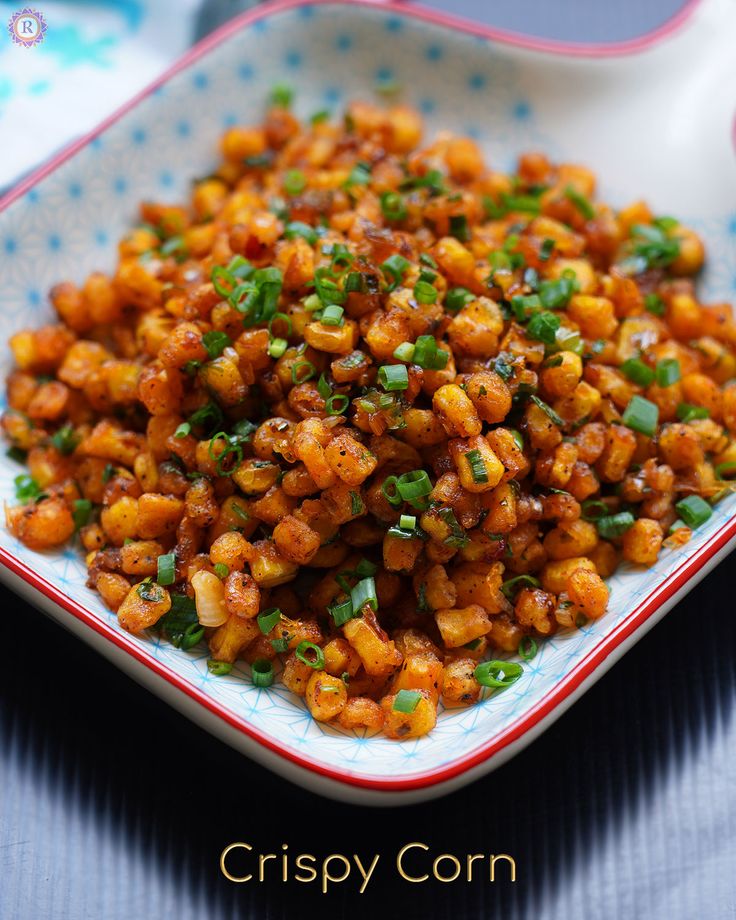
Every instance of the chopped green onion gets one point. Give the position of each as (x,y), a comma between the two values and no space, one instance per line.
(317,662)
(323,387)
(641,415)
(282,95)
(687,412)
(428,355)
(360,174)
(219,668)
(425,293)
(653,246)
(312,303)
(267,619)
(404,352)
(262,672)
(528,648)
(390,491)
(366,567)
(548,410)
(294,182)
(457,297)
(81,512)
(166,569)
(498,674)
(297,376)
(543,327)
(459,227)
(638,372)
(393,377)
(693,510)
(281,645)
(557,292)
(510,588)
(413,486)
(723,469)
(336,404)
(150,591)
(407,522)
(395,266)
(581,202)
(26,488)
(524,305)
(406,701)
(65,439)
(215,342)
(182,430)
(297,228)
(477,466)
(393,207)
(364,593)
(356,504)
(277,347)
(221,570)
(17,454)
(668,372)
(654,304)
(593,509)
(546,249)
(569,340)
(614,525)
(341,613)
(332,315)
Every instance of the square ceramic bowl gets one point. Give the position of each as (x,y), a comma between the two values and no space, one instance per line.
(652,118)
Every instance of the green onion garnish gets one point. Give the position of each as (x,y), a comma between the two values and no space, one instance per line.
(548,410)
(406,701)
(310,654)
(26,488)
(413,486)
(498,674)
(393,377)
(527,648)
(65,439)
(555,293)
(687,412)
(477,466)
(262,672)
(182,430)
(459,227)
(457,297)
(424,292)
(364,593)
(667,372)
(404,352)
(282,95)
(723,469)
(390,491)
(638,372)
(166,569)
(543,327)
(693,510)
(654,304)
(294,181)
(581,202)
(392,206)
(332,315)
(299,376)
(510,588)
(215,342)
(81,512)
(277,347)
(221,570)
(428,355)
(267,619)
(614,525)
(341,613)
(219,668)
(395,266)
(336,404)
(641,415)
(593,509)
(297,228)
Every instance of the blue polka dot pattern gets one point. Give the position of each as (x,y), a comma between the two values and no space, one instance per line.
(330,54)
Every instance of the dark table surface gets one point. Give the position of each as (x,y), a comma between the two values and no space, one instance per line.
(112,806)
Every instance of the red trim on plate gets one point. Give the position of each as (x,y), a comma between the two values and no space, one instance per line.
(585,668)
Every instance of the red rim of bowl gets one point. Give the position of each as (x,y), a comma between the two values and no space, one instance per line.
(565,687)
